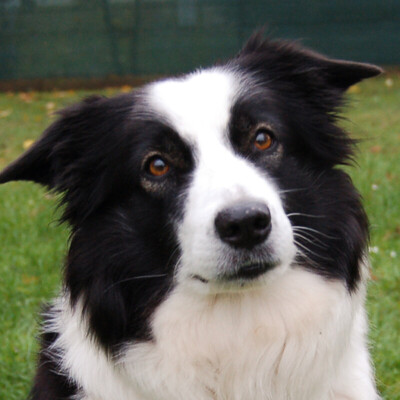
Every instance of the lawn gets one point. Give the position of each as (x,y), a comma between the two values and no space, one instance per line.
(33,244)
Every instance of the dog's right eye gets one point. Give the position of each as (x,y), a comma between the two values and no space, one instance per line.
(157,166)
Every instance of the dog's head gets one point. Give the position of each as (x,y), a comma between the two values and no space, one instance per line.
(216,180)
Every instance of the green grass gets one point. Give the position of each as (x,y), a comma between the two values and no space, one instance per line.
(33,245)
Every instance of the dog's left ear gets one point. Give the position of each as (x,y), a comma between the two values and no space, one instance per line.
(343,74)
(289,60)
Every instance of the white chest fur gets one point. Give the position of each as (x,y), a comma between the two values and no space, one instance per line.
(285,342)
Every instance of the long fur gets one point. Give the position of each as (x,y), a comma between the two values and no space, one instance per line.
(153,305)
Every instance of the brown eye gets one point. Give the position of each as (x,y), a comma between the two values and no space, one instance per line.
(263,140)
(157,166)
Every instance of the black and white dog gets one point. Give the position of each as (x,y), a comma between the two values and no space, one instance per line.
(217,251)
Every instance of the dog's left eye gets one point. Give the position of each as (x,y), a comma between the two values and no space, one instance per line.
(263,139)
(156,166)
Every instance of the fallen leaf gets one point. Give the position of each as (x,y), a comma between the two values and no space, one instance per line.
(376,149)
(387,235)
(50,106)
(5,113)
(126,89)
(59,94)
(373,277)
(27,97)
(389,82)
(27,279)
(28,143)
(354,89)
(389,176)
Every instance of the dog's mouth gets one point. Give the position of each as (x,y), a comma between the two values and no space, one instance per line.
(251,271)
(246,272)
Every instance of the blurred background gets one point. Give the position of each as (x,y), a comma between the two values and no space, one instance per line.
(55,52)
(44,41)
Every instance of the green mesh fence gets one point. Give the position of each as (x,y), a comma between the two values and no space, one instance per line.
(99,38)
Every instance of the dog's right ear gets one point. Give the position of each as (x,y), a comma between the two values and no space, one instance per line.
(81,155)
(38,163)
(34,165)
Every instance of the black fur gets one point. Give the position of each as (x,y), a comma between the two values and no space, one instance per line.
(123,244)
(301,94)
(49,384)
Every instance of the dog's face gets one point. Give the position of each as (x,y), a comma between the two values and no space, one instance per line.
(219,180)
(231,226)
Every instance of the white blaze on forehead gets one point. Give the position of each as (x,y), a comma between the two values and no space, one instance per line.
(198,105)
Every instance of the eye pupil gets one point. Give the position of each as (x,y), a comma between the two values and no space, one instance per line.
(159,164)
(158,167)
(263,141)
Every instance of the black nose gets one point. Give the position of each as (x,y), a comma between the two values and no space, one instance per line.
(244,225)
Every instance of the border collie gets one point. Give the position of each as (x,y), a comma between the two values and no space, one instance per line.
(217,251)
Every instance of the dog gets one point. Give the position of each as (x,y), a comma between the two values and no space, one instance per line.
(217,250)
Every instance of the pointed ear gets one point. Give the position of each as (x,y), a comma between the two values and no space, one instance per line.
(31,166)
(343,74)
(37,164)
(82,155)
(292,61)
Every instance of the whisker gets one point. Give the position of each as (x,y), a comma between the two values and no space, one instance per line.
(177,265)
(291,190)
(133,278)
(309,235)
(310,251)
(171,257)
(305,215)
(306,258)
(314,185)
(315,231)
(321,246)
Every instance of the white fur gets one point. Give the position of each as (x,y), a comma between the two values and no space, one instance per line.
(291,336)
(300,338)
